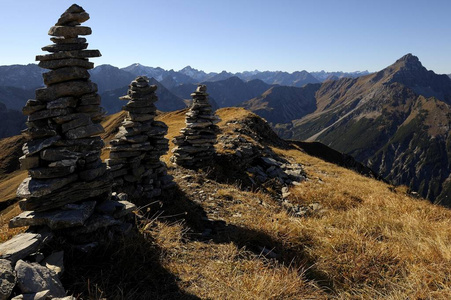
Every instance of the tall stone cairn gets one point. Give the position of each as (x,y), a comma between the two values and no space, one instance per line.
(195,146)
(135,152)
(67,179)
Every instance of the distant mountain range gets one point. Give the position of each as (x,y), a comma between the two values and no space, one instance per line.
(397,120)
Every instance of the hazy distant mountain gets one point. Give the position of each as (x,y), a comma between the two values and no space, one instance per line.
(11,121)
(14,97)
(229,92)
(298,79)
(282,104)
(323,76)
(108,77)
(167,101)
(197,75)
(22,76)
(386,120)
(138,70)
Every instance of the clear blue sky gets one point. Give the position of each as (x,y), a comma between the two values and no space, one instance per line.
(238,35)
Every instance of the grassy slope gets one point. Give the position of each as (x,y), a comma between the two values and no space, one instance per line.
(370,240)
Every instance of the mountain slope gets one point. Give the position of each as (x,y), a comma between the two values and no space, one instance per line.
(108,77)
(386,120)
(282,104)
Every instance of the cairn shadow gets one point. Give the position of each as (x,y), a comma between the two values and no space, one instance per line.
(203,229)
(127,268)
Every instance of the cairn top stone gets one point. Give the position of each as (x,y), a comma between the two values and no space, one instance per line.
(201,88)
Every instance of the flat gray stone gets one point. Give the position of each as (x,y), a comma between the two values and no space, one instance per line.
(85,131)
(55,262)
(65,74)
(20,246)
(40,187)
(49,113)
(71,193)
(73,88)
(56,154)
(62,102)
(7,279)
(67,54)
(94,223)
(34,278)
(65,47)
(52,172)
(70,32)
(68,62)
(57,219)
(35,146)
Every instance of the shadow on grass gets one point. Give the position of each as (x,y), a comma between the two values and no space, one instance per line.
(178,204)
(127,268)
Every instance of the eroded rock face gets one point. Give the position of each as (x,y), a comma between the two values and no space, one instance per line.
(135,152)
(195,146)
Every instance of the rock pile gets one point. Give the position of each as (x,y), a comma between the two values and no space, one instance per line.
(135,152)
(195,146)
(68,191)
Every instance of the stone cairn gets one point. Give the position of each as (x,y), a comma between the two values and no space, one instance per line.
(135,152)
(195,146)
(68,192)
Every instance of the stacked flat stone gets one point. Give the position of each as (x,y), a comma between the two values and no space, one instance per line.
(135,152)
(67,179)
(195,146)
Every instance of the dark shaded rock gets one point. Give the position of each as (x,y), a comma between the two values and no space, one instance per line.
(64,47)
(84,131)
(35,146)
(68,54)
(32,106)
(62,102)
(43,295)
(48,113)
(69,193)
(62,40)
(71,88)
(65,74)
(89,175)
(52,172)
(70,32)
(68,62)
(34,278)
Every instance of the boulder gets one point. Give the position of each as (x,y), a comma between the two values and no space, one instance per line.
(34,278)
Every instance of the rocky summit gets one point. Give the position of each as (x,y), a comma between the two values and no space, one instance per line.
(136,149)
(195,146)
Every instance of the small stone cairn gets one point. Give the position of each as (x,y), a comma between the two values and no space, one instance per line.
(195,146)
(135,152)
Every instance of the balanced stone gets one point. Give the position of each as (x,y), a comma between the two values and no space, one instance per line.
(136,148)
(195,146)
